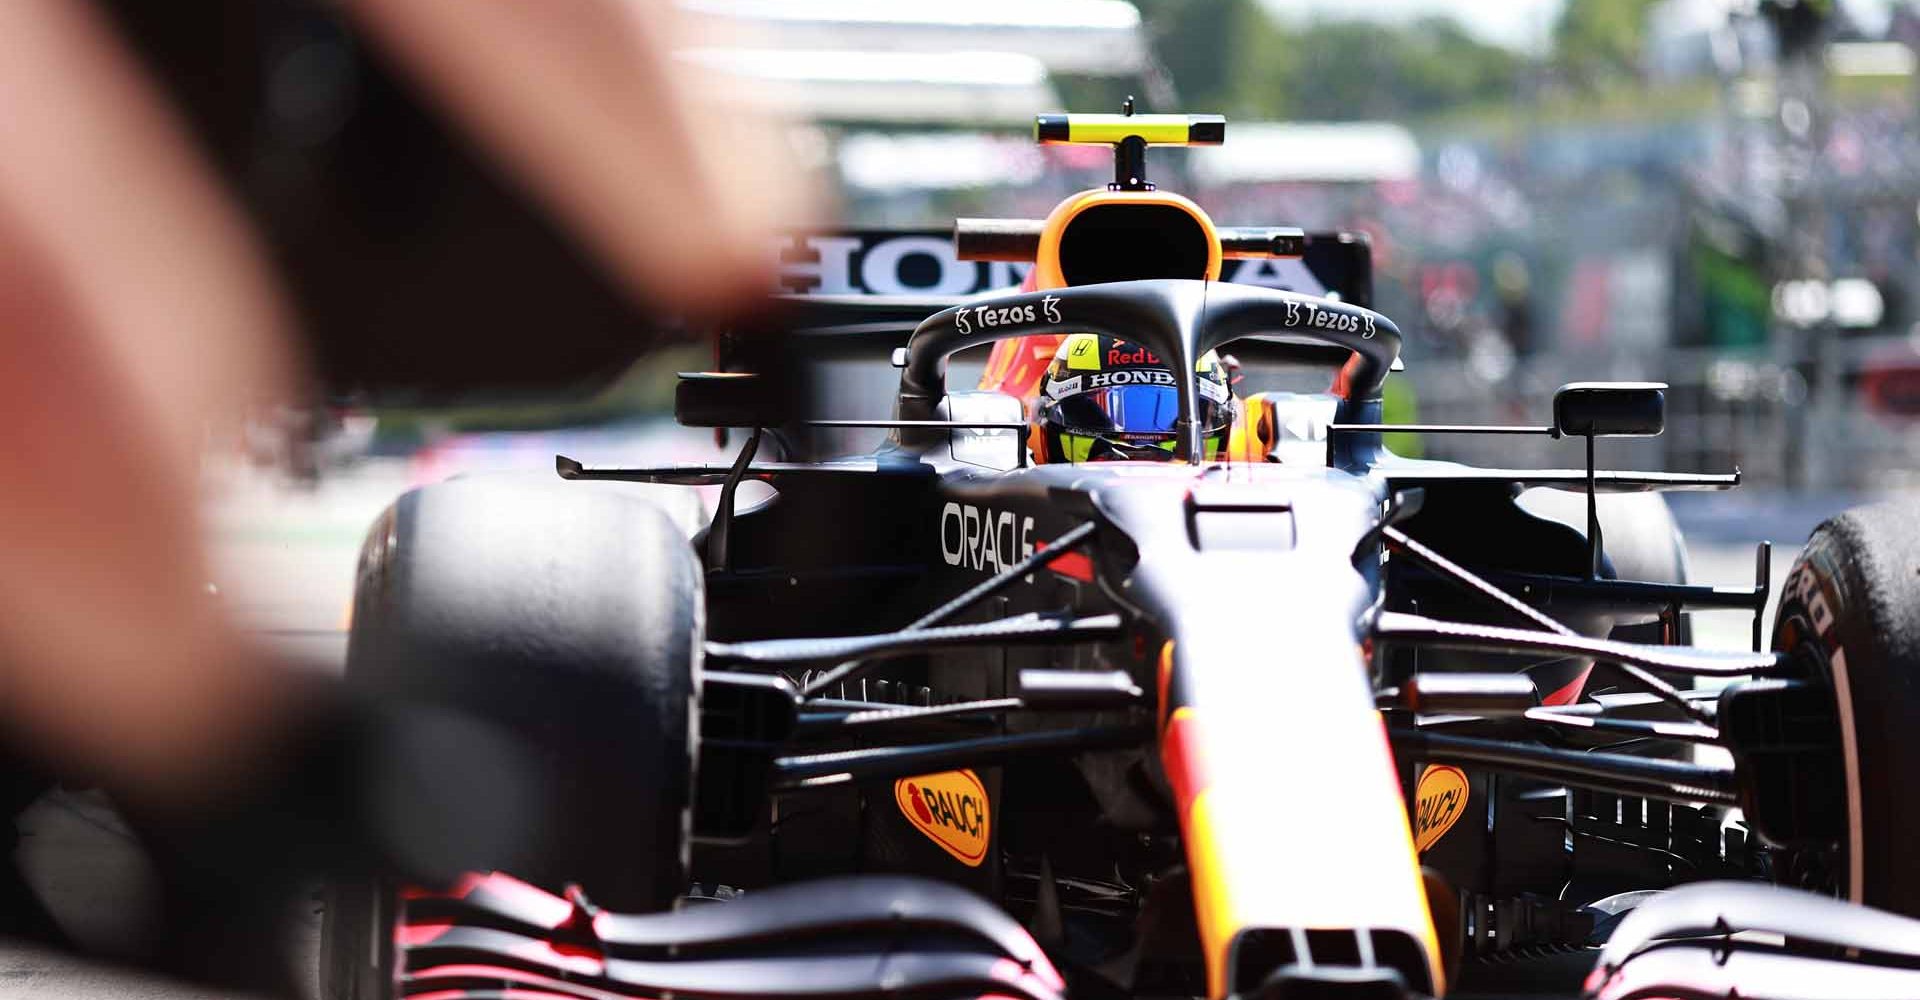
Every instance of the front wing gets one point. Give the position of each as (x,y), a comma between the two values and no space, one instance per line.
(889,936)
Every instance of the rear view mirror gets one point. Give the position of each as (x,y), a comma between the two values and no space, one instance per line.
(996,437)
(1610,409)
(1606,409)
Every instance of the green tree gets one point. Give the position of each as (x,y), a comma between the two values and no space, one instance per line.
(1235,57)
(1358,69)
(1597,43)
(1196,43)
(1191,39)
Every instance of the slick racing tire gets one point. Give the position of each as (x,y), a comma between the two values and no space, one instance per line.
(1850,611)
(568,618)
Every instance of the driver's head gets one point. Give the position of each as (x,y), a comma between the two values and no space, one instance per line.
(1105,399)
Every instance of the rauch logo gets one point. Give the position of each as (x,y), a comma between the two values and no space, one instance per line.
(1439,800)
(951,809)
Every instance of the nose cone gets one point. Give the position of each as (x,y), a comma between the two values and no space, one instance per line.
(1290,806)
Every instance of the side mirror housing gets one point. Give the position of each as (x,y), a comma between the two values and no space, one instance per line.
(1610,409)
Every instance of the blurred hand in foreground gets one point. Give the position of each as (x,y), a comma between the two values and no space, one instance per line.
(139,313)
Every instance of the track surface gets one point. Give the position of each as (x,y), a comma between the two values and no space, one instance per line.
(286,566)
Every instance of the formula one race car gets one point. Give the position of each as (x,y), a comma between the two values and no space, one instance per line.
(1109,679)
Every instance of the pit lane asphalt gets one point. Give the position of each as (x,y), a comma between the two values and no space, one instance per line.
(285,559)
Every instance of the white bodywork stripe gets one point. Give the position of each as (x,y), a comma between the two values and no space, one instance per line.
(1850,751)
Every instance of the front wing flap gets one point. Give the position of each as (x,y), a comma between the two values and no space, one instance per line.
(1757,942)
(852,937)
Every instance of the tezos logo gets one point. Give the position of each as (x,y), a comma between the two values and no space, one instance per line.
(982,538)
(990,316)
(951,809)
(1312,315)
(1439,800)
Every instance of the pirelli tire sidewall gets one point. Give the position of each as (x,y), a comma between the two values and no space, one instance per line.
(1851,607)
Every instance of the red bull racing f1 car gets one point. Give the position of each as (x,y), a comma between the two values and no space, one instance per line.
(1111,678)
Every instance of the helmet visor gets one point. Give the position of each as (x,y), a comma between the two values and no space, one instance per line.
(1131,409)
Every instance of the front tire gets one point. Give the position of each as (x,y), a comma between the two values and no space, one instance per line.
(1851,611)
(569,618)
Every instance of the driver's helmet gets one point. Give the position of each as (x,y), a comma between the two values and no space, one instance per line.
(1106,399)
